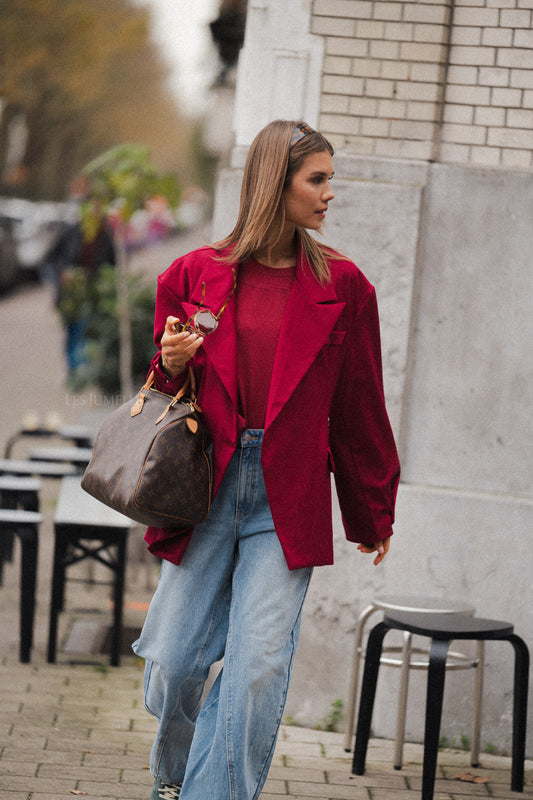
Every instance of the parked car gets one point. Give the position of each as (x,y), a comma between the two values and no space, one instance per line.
(34,228)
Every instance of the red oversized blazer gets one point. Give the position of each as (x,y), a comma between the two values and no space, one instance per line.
(325,413)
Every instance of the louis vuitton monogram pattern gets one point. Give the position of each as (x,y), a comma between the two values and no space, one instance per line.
(157,474)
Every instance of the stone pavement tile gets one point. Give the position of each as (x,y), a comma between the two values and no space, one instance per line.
(145,724)
(378,780)
(123,762)
(107,774)
(20,754)
(29,784)
(120,791)
(304,762)
(317,790)
(300,749)
(47,796)
(405,794)
(137,776)
(287,773)
(20,768)
(294,733)
(454,786)
(274,787)
(271,796)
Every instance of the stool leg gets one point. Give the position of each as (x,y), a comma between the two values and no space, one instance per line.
(520,692)
(368,693)
(435,694)
(28,578)
(118,597)
(402,701)
(478,700)
(354,680)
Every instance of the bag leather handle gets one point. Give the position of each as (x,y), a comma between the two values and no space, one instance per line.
(188,389)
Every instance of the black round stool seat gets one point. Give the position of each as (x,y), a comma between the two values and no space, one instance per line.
(449,626)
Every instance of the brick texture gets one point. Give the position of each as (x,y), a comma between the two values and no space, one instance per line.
(429,79)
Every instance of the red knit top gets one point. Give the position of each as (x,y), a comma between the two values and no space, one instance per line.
(262,295)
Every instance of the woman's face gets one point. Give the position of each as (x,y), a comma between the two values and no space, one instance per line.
(306,198)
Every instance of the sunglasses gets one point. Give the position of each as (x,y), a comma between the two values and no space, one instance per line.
(203,321)
(301,130)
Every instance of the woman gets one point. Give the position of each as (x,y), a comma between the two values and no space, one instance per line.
(283,335)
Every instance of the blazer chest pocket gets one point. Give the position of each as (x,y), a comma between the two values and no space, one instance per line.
(332,355)
(336,337)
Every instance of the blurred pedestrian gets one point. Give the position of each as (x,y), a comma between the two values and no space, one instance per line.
(283,335)
(74,260)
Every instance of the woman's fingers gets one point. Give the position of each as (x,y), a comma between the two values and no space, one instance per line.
(177,348)
(381,548)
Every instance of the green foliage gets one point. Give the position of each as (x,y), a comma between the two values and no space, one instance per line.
(125,173)
(96,301)
(332,719)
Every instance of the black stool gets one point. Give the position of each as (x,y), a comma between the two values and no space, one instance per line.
(25,525)
(442,629)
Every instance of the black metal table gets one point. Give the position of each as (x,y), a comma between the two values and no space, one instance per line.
(85,528)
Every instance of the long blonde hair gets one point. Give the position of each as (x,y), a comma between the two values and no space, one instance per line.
(269,169)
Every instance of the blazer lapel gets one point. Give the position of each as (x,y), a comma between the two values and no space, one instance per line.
(220,346)
(311,313)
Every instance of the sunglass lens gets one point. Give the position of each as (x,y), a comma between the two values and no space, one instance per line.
(205,322)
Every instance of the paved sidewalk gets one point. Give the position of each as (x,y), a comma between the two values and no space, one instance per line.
(82,731)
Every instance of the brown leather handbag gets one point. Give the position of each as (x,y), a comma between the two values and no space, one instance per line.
(153,459)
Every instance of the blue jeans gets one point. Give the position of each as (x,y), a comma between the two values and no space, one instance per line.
(76,344)
(232,597)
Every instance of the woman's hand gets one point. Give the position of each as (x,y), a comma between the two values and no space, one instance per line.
(177,348)
(381,548)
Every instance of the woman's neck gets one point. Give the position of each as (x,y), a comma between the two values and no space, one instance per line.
(284,252)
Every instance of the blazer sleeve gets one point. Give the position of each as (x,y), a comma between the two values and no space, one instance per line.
(366,465)
(167,304)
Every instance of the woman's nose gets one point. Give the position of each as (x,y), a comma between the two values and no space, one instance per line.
(328,193)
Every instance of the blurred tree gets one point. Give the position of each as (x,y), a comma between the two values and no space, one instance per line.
(85,76)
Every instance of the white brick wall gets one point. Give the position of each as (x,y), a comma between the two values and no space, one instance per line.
(420,79)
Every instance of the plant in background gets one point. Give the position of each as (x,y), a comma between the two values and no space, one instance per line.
(122,181)
(103,332)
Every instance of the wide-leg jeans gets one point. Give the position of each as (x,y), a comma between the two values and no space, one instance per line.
(232,598)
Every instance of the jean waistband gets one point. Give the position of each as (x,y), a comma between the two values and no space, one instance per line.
(252,437)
